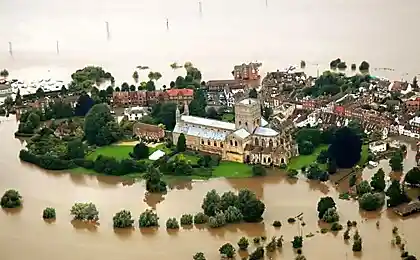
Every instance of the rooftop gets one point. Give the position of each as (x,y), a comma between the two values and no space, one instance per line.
(242,133)
(264,131)
(182,92)
(199,132)
(248,101)
(208,122)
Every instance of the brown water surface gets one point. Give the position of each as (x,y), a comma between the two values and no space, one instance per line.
(25,236)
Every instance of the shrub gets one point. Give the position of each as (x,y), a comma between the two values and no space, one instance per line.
(324,230)
(258,170)
(331,215)
(256,240)
(85,212)
(357,245)
(336,226)
(371,202)
(11,199)
(291,220)
(258,254)
(243,243)
(228,250)
(276,223)
(233,214)
(187,219)
(279,242)
(292,173)
(271,246)
(324,204)
(48,213)
(200,218)
(199,256)
(346,234)
(172,223)
(297,242)
(148,219)
(363,187)
(217,221)
(364,66)
(123,219)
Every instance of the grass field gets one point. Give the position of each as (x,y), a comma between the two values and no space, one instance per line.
(189,158)
(305,160)
(232,170)
(365,154)
(121,152)
(228,117)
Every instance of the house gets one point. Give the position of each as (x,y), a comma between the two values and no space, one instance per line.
(180,96)
(378,147)
(144,98)
(413,105)
(135,113)
(148,132)
(402,87)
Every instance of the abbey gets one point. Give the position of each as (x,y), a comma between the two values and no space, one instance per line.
(248,140)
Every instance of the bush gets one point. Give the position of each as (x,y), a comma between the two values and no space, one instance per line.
(85,212)
(148,219)
(217,221)
(276,223)
(258,170)
(336,226)
(11,199)
(172,223)
(353,66)
(279,242)
(227,250)
(243,243)
(371,202)
(123,219)
(48,213)
(331,215)
(346,234)
(297,242)
(258,254)
(364,66)
(291,220)
(200,218)
(357,245)
(186,219)
(199,256)
(256,240)
(233,214)
(363,187)
(324,204)
(45,161)
(292,173)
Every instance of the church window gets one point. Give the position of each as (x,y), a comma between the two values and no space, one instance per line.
(215,143)
(246,124)
(281,141)
(221,144)
(208,142)
(269,160)
(263,143)
(264,160)
(231,143)
(236,143)
(256,142)
(240,122)
(202,141)
(270,143)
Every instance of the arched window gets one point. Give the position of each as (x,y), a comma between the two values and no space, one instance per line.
(231,143)
(282,161)
(263,143)
(256,141)
(202,141)
(236,143)
(221,144)
(281,141)
(264,160)
(208,142)
(269,160)
(246,124)
(270,143)
(215,143)
(240,122)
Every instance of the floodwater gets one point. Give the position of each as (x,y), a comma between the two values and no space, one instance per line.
(382,32)
(25,236)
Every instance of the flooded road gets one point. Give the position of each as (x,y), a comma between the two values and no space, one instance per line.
(25,236)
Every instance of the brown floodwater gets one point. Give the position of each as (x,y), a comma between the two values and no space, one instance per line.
(25,236)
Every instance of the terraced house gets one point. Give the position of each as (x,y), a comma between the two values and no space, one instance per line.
(248,140)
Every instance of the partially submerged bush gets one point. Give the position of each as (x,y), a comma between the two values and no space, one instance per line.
(243,243)
(48,213)
(123,219)
(200,218)
(186,219)
(276,223)
(148,218)
(11,199)
(172,223)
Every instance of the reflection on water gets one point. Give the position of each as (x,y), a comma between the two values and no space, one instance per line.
(284,198)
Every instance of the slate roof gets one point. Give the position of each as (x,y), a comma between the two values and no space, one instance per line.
(199,132)
(264,131)
(241,133)
(208,122)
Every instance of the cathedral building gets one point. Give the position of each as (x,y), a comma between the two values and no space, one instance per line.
(248,140)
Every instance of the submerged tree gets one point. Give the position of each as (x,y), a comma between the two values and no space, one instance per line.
(154,183)
(148,218)
(11,199)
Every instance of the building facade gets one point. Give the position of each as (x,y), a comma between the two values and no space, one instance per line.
(145,98)
(247,140)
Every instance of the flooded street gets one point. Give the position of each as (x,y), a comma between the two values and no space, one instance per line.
(25,236)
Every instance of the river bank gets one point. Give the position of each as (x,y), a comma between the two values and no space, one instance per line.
(42,188)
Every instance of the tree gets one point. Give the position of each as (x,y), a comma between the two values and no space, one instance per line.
(148,218)
(136,76)
(197,107)
(84,79)
(83,105)
(253,93)
(154,75)
(100,127)
(34,119)
(199,256)
(154,183)
(150,86)
(352,180)
(200,218)
(332,167)
(258,170)
(181,144)
(396,195)
(186,219)
(292,173)
(123,219)
(258,254)
(48,213)
(364,66)
(415,83)
(357,244)
(4,73)
(132,88)
(172,84)
(250,207)
(314,172)
(378,181)
(322,157)
(109,90)
(227,200)
(18,98)
(396,161)
(371,202)
(363,187)
(413,176)
(346,148)
(212,113)
(331,215)
(227,250)
(75,149)
(11,199)
(211,203)
(172,223)
(85,212)
(219,220)
(233,215)
(125,87)
(267,112)
(40,93)
(243,243)
(324,204)
(306,147)
(353,66)
(140,151)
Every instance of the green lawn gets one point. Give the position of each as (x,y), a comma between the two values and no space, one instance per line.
(365,154)
(121,152)
(232,170)
(228,117)
(305,160)
(192,159)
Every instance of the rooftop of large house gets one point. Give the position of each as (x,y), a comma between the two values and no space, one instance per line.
(180,92)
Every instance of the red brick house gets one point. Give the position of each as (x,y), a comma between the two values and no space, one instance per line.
(149,132)
(148,98)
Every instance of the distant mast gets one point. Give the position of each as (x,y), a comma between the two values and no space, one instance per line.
(167,24)
(58,48)
(108,34)
(266,3)
(10,49)
(200,8)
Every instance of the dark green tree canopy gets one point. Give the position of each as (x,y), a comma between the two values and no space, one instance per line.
(346,148)
(100,127)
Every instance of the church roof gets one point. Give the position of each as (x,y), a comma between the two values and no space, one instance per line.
(199,132)
(263,122)
(242,133)
(264,131)
(208,122)
(248,101)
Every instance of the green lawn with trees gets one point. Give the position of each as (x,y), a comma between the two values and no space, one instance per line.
(232,169)
(305,160)
(121,152)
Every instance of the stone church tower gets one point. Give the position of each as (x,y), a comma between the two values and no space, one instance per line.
(248,114)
